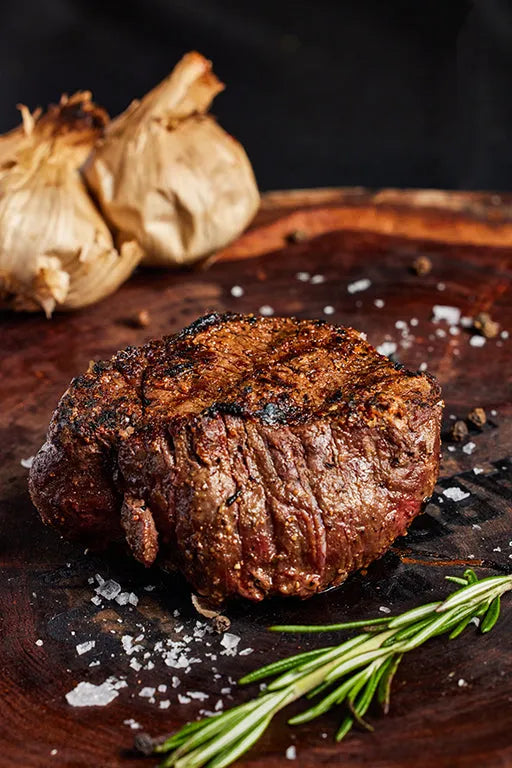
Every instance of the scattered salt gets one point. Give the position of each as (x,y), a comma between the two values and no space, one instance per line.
(461,683)
(477,470)
(384,609)
(413,321)
(237,291)
(96,600)
(246,652)
(85,647)
(136,665)
(266,310)
(291,753)
(89,695)
(175,681)
(162,688)
(229,642)
(303,276)
(455,494)
(39,643)
(134,725)
(27,463)
(379,303)
(164,704)
(53,752)
(147,692)
(476,527)
(469,448)
(328,310)
(422,367)
(133,599)
(123,598)
(477,341)
(359,285)
(199,695)
(183,699)
(497,549)
(317,279)
(387,348)
(109,589)
(451,315)
(441,286)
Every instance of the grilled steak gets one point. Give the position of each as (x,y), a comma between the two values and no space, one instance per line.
(258,455)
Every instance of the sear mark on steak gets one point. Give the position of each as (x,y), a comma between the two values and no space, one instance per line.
(258,455)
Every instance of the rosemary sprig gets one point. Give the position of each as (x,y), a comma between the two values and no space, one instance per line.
(354,673)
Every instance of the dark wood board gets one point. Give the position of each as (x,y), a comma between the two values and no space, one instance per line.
(45,592)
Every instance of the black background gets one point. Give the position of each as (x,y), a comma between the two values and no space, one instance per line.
(321,92)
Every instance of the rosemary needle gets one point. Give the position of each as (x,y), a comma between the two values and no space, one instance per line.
(350,675)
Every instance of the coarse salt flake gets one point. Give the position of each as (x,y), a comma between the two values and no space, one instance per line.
(359,285)
(85,647)
(477,341)
(229,642)
(329,310)
(451,315)
(237,291)
(469,448)
(455,494)
(266,310)
(291,753)
(27,463)
(147,692)
(89,695)
(387,348)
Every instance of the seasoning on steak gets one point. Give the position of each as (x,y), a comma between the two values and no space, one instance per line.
(258,455)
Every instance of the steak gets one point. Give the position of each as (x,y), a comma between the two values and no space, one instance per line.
(259,456)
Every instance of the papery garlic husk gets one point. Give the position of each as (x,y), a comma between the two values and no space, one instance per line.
(56,251)
(167,175)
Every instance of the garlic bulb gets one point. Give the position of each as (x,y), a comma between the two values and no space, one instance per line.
(55,248)
(168,176)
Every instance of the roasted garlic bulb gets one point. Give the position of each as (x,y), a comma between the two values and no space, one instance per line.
(56,251)
(168,176)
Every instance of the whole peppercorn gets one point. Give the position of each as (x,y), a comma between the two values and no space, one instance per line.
(422,265)
(477,417)
(459,431)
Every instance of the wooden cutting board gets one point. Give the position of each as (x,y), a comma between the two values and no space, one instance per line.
(305,255)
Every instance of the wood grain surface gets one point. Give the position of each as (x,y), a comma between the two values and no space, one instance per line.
(46,584)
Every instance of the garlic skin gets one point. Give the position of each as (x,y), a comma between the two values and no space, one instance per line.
(168,176)
(56,251)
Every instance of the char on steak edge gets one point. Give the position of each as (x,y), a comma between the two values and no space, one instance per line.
(259,456)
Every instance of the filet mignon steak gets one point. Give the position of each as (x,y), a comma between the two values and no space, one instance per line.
(258,455)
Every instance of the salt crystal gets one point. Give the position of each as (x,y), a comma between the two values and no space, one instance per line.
(359,285)
(317,279)
(469,448)
(455,494)
(162,688)
(132,723)
(422,367)
(475,620)
(303,276)
(379,303)
(453,330)
(175,681)
(229,642)
(53,752)
(225,691)
(183,699)
(27,463)
(149,587)
(95,663)
(246,652)
(133,599)
(461,683)
(497,549)
(441,286)
(400,325)
(99,578)
(149,665)
(291,753)
(123,598)
(477,470)
(328,310)
(237,291)
(266,310)
(451,315)
(413,321)
(147,692)
(85,647)
(477,341)
(440,333)
(384,609)
(96,600)
(89,695)
(109,589)
(164,704)
(199,695)
(387,348)
(136,665)
(504,335)
(219,705)
(476,527)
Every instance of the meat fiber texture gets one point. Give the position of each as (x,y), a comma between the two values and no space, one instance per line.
(260,456)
